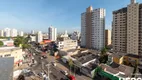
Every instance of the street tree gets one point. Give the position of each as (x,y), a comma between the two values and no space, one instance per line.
(103,56)
(21,41)
(1,43)
(70,64)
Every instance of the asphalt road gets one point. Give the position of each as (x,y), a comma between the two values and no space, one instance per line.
(55,73)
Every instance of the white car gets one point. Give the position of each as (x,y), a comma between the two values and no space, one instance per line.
(64,72)
(54,63)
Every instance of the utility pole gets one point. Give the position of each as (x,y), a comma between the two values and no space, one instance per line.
(48,66)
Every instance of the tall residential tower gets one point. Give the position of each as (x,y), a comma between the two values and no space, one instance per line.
(52,33)
(127,30)
(93,28)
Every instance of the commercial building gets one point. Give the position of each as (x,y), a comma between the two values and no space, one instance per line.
(13,32)
(1,33)
(39,37)
(113,71)
(15,52)
(85,61)
(107,37)
(93,28)
(7,32)
(33,38)
(21,33)
(45,36)
(67,43)
(7,42)
(123,58)
(52,33)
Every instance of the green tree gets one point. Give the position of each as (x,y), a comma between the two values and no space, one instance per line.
(23,41)
(103,56)
(103,51)
(70,64)
(1,43)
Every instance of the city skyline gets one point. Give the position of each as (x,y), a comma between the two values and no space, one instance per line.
(39,15)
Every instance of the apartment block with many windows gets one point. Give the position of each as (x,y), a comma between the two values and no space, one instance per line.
(93,28)
(127,30)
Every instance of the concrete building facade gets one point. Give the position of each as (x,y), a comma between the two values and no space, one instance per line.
(133,27)
(52,33)
(13,32)
(107,37)
(7,32)
(83,29)
(15,52)
(39,37)
(127,29)
(119,30)
(93,28)
(1,33)
(21,33)
(67,43)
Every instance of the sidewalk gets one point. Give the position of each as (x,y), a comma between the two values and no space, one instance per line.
(21,67)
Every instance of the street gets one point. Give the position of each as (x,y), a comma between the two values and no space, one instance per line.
(55,71)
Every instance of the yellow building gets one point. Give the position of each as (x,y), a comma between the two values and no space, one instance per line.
(128,59)
(15,52)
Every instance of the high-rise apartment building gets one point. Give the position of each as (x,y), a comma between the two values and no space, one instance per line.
(1,33)
(93,28)
(39,37)
(52,33)
(119,30)
(32,32)
(21,33)
(13,32)
(7,32)
(127,29)
(107,37)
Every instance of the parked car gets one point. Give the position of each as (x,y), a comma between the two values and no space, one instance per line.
(44,57)
(64,72)
(71,77)
(53,63)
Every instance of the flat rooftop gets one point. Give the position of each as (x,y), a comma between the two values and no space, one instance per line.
(6,68)
(85,57)
(5,49)
(120,70)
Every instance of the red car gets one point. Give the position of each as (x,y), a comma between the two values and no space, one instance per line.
(71,77)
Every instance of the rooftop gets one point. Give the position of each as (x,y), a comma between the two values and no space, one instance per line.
(91,66)
(6,68)
(119,55)
(133,55)
(4,49)
(118,70)
(84,57)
